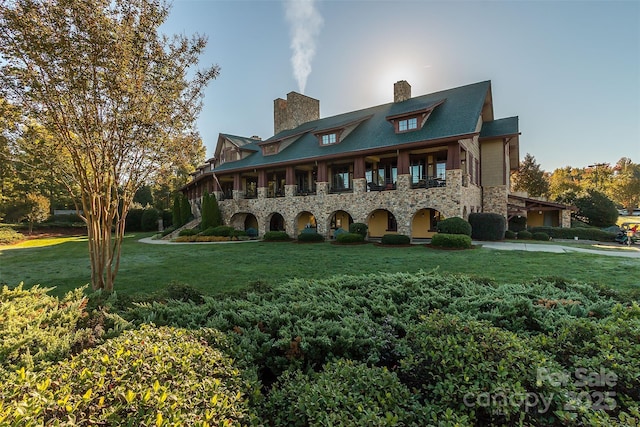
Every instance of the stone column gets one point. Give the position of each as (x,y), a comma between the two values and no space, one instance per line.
(262,192)
(290,190)
(403,183)
(322,188)
(359,185)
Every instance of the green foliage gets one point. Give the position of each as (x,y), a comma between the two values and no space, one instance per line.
(8,236)
(487,226)
(176,213)
(185,209)
(338,232)
(251,232)
(530,178)
(152,376)
(149,220)
(344,393)
(36,329)
(37,209)
(540,235)
(184,292)
(457,241)
(525,235)
(143,196)
(454,225)
(510,235)
(211,216)
(310,236)
(395,239)
(596,209)
(221,230)
(585,233)
(275,236)
(168,231)
(518,223)
(188,232)
(360,228)
(350,238)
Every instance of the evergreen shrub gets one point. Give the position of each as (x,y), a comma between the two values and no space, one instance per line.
(350,238)
(540,235)
(510,235)
(457,241)
(360,228)
(272,236)
(454,225)
(525,235)
(310,236)
(487,226)
(395,239)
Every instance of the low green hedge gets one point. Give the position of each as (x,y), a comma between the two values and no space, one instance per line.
(583,233)
(525,235)
(276,236)
(460,241)
(221,230)
(188,232)
(540,235)
(349,238)
(151,376)
(510,234)
(395,239)
(360,228)
(310,236)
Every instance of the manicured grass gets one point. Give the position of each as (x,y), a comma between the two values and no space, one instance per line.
(216,268)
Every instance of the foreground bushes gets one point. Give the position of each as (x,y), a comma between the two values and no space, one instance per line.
(9,236)
(453,241)
(154,376)
(395,239)
(583,233)
(487,226)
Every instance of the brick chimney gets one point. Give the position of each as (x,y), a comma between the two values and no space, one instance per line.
(293,112)
(401,91)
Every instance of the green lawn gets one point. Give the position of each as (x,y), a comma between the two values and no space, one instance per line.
(216,268)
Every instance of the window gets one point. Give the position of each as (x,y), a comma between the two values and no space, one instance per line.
(329,138)
(408,124)
(392,224)
(341,178)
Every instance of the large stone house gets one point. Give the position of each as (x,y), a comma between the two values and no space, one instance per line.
(398,167)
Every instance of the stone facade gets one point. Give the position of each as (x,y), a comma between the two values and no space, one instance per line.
(401,91)
(404,203)
(296,110)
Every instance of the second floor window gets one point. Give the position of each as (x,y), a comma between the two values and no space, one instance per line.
(329,138)
(408,124)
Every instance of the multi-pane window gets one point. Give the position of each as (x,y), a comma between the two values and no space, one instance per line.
(329,138)
(407,124)
(341,178)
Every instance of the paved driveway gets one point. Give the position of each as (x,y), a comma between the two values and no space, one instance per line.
(619,250)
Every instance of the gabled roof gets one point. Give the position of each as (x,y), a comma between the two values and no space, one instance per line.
(241,142)
(455,114)
(501,128)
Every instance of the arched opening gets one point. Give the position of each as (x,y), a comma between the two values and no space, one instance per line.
(306,220)
(339,220)
(381,222)
(251,222)
(424,223)
(276,223)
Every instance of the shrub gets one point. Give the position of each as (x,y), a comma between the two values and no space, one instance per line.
(518,223)
(221,230)
(168,231)
(442,240)
(338,232)
(586,233)
(9,235)
(133,219)
(349,238)
(273,236)
(395,239)
(210,211)
(344,393)
(596,209)
(167,218)
(251,232)
(360,228)
(152,376)
(487,226)
(188,232)
(310,237)
(184,292)
(37,327)
(539,235)
(510,234)
(454,225)
(525,235)
(149,220)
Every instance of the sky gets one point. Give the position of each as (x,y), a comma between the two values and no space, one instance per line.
(569,69)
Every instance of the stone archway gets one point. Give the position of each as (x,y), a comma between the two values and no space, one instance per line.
(381,222)
(305,219)
(339,219)
(424,222)
(276,222)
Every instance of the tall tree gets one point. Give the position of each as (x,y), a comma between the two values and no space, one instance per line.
(530,178)
(565,184)
(117,96)
(625,184)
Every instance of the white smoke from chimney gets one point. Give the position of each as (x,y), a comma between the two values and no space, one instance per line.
(305,23)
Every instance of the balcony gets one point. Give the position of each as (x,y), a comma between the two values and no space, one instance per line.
(431,182)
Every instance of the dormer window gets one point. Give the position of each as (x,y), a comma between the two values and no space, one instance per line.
(408,124)
(330,138)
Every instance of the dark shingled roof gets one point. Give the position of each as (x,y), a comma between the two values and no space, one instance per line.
(457,114)
(500,127)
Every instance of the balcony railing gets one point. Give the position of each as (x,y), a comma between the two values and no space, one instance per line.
(383,187)
(429,183)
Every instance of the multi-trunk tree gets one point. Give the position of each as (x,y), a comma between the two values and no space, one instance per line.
(118,97)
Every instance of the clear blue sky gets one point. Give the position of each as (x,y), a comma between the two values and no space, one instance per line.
(569,69)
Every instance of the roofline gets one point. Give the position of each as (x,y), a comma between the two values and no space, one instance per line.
(543,202)
(351,153)
(431,107)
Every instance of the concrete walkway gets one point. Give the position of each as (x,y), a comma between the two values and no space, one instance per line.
(612,249)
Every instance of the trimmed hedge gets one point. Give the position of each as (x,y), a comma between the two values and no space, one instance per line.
(510,235)
(187,232)
(310,236)
(152,376)
(360,228)
(584,233)
(540,235)
(525,235)
(221,230)
(443,240)
(487,226)
(276,236)
(349,238)
(454,225)
(395,239)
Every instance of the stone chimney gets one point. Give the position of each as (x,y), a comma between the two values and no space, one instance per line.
(293,112)
(401,91)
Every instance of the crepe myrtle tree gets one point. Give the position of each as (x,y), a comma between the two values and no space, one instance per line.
(119,97)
